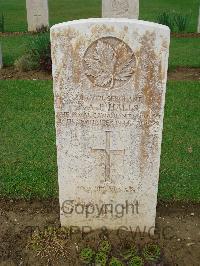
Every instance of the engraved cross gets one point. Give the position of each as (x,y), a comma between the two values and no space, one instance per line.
(108,151)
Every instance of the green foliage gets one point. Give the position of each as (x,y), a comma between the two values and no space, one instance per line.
(136,261)
(42,29)
(115,262)
(127,254)
(101,258)
(175,21)
(39,48)
(37,54)
(2,23)
(26,63)
(151,252)
(86,255)
(166,18)
(182,22)
(104,247)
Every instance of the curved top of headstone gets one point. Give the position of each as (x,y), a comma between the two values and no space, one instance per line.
(136,22)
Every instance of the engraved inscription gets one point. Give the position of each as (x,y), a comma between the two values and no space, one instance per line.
(109,63)
(37,16)
(108,151)
(120,7)
(100,110)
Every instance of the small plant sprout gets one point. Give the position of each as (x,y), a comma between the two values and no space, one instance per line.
(104,247)
(115,262)
(86,255)
(151,252)
(136,261)
(128,254)
(101,259)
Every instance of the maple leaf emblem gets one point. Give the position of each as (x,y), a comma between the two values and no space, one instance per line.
(109,63)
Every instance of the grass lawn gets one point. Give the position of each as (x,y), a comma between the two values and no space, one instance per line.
(183,51)
(179,173)
(13,47)
(27,144)
(64,10)
(28,150)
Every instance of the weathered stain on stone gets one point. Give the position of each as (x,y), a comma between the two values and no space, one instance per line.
(77,63)
(151,76)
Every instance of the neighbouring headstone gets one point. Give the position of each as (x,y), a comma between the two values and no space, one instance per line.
(120,9)
(37,14)
(198,29)
(1,58)
(109,90)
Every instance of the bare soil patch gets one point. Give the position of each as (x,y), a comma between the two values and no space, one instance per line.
(17,33)
(180,73)
(12,73)
(186,35)
(177,233)
(184,73)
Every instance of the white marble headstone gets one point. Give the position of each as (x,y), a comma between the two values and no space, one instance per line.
(1,58)
(37,14)
(120,9)
(109,89)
